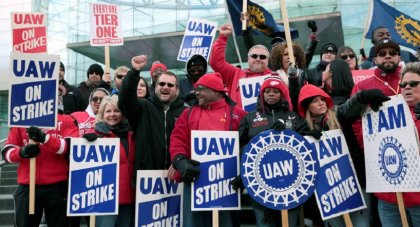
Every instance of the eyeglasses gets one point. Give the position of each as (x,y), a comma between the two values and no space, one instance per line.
(162,84)
(201,88)
(391,53)
(261,56)
(119,76)
(345,56)
(96,99)
(412,83)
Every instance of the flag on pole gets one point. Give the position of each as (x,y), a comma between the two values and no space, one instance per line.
(260,20)
(404,29)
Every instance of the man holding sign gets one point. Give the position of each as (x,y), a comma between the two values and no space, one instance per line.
(51,148)
(216,111)
(257,61)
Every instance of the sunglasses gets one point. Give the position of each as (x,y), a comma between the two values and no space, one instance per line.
(412,83)
(345,56)
(162,84)
(96,99)
(120,76)
(201,88)
(261,56)
(391,53)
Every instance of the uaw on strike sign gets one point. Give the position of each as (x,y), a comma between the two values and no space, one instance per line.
(105,25)
(393,162)
(29,32)
(279,169)
(33,90)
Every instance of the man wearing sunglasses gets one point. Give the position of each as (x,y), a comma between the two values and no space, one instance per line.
(151,119)
(119,75)
(257,62)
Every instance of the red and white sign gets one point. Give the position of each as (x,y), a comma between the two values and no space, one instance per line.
(29,32)
(359,75)
(105,27)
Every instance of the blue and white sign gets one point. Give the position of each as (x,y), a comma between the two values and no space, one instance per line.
(198,39)
(93,177)
(218,152)
(250,90)
(33,90)
(393,162)
(337,188)
(158,199)
(279,169)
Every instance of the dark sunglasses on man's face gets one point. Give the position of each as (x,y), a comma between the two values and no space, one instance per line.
(345,56)
(120,76)
(412,83)
(391,53)
(162,84)
(96,99)
(261,56)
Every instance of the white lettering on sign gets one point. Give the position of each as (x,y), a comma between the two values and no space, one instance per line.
(33,110)
(338,194)
(160,210)
(93,196)
(214,191)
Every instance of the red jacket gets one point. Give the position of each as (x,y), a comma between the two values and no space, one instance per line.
(410,198)
(391,79)
(230,74)
(126,193)
(86,121)
(52,162)
(215,117)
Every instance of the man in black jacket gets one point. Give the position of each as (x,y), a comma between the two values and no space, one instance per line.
(153,119)
(72,97)
(196,67)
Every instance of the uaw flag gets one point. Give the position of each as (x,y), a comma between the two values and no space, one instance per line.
(260,20)
(404,29)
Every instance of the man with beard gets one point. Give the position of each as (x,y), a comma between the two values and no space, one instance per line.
(258,56)
(196,67)
(151,119)
(94,80)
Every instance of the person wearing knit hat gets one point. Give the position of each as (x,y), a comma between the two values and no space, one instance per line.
(213,112)
(156,69)
(94,80)
(274,111)
(328,53)
(196,67)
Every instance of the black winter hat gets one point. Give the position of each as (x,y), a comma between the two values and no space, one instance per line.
(95,68)
(197,59)
(62,66)
(329,47)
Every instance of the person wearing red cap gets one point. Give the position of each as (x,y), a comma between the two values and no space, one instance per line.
(274,111)
(156,69)
(215,111)
(258,56)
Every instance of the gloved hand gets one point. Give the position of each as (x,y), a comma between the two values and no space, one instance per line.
(29,151)
(362,52)
(292,71)
(316,133)
(278,125)
(417,110)
(188,168)
(373,97)
(35,134)
(90,136)
(269,215)
(237,183)
(312,26)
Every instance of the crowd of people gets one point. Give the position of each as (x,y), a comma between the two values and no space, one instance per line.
(154,123)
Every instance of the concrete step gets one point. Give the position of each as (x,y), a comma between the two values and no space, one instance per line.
(7,189)
(8,174)
(7,217)
(8,181)
(6,202)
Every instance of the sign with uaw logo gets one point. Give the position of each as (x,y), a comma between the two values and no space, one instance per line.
(279,169)
(250,90)
(392,160)
(337,189)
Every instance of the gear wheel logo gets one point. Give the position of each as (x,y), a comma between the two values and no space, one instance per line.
(279,169)
(408,29)
(392,160)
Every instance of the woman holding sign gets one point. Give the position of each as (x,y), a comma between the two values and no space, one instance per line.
(110,123)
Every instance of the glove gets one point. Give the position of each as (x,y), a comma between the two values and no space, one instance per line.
(292,71)
(35,134)
(237,183)
(188,168)
(373,97)
(316,133)
(417,110)
(29,151)
(90,136)
(312,26)
(278,125)
(362,52)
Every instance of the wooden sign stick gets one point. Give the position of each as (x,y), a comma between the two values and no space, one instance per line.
(284,218)
(401,207)
(215,214)
(244,11)
(32,173)
(107,65)
(92,221)
(347,220)
(287,31)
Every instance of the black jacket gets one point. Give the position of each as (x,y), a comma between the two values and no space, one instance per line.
(151,124)
(86,90)
(72,100)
